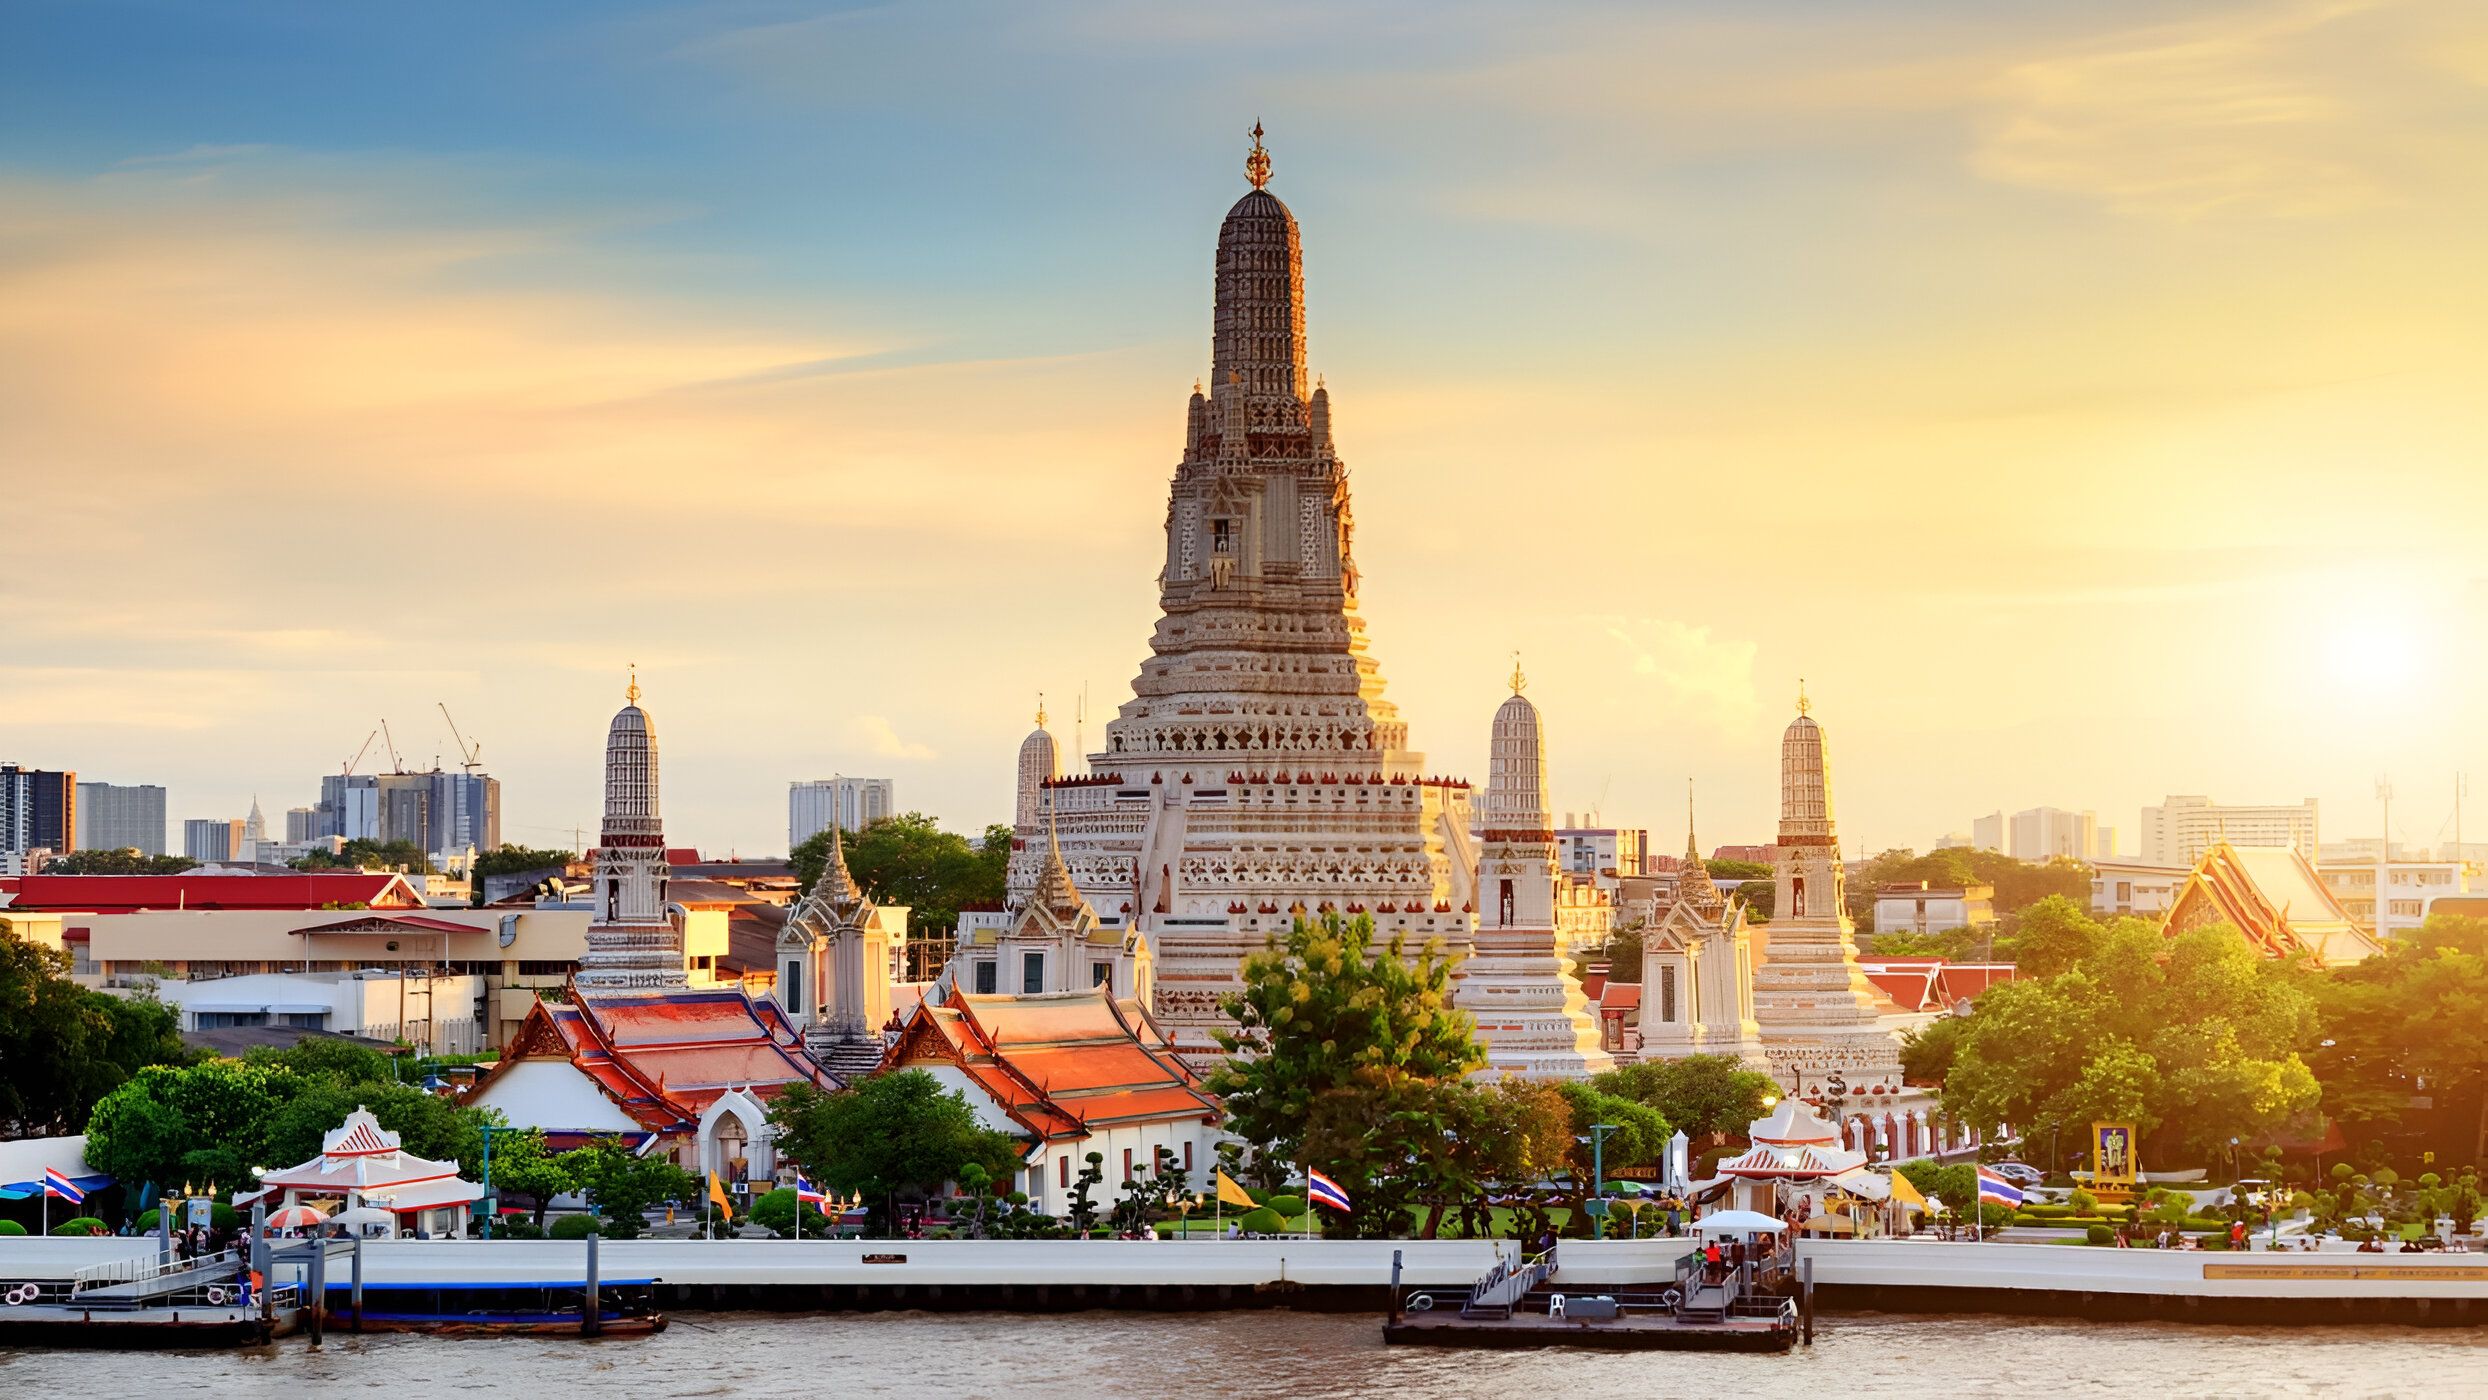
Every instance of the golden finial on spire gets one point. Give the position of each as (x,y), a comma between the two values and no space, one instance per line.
(632,693)
(1519,681)
(1040,709)
(1257,165)
(1804,706)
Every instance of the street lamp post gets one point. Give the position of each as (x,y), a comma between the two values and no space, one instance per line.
(1598,1173)
(492,1206)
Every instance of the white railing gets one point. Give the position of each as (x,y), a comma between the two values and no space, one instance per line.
(138,1268)
(1506,1283)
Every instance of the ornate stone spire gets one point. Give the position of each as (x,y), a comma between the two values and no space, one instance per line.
(1694,886)
(631,944)
(1055,892)
(836,889)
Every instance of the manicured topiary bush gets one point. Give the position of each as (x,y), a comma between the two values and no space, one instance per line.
(1290,1207)
(576,1227)
(2100,1234)
(1261,1220)
(11,1227)
(82,1225)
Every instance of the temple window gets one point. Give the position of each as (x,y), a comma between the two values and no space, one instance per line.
(1099,972)
(1032,972)
(1796,896)
(1505,905)
(1667,994)
(793,984)
(1222,535)
(985,978)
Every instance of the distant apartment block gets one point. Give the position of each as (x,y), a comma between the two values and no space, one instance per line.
(2042,834)
(118,817)
(2181,829)
(2129,887)
(441,812)
(1929,908)
(38,810)
(850,803)
(1989,833)
(2393,898)
(1602,854)
(212,841)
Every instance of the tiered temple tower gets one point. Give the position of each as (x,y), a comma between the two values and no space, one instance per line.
(1815,1009)
(1697,971)
(1257,774)
(631,944)
(834,957)
(1533,1018)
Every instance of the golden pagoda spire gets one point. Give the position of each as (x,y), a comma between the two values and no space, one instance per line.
(1257,165)
(631,693)
(1040,709)
(1804,706)
(1519,681)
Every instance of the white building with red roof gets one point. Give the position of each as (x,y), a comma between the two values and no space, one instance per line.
(361,1164)
(1068,1073)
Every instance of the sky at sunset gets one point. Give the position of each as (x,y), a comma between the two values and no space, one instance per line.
(2088,399)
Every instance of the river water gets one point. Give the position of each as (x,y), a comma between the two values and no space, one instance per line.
(1214,1356)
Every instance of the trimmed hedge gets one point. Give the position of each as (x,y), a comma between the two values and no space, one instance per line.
(82,1225)
(219,1216)
(2100,1234)
(576,1227)
(11,1227)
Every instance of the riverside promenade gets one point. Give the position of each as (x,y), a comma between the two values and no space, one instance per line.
(1051,1275)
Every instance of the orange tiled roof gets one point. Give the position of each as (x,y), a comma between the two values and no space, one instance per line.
(1060,1064)
(663,1057)
(2270,894)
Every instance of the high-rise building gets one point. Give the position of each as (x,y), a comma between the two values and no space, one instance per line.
(38,810)
(850,804)
(116,817)
(212,841)
(2181,829)
(301,825)
(1990,832)
(2042,834)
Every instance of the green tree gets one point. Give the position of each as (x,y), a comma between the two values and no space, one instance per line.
(1387,1136)
(125,861)
(775,1213)
(887,1137)
(194,1124)
(515,860)
(1623,954)
(1738,869)
(64,1047)
(1640,1136)
(2054,936)
(2194,1037)
(523,1164)
(2406,1017)
(1706,1095)
(625,1186)
(908,860)
(1323,1003)
(362,853)
(1927,1051)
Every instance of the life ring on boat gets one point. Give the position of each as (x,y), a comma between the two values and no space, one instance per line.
(23,1294)
(1423,1302)
(218,1293)
(1670,1298)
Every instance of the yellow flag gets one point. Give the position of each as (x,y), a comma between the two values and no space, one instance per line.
(1231,1193)
(1905,1193)
(717,1195)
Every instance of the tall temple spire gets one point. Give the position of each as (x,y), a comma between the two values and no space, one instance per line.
(631,943)
(630,695)
(1695,886)
(1257,165)
(1519,681)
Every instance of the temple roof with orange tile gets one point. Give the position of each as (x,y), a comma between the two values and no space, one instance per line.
(1062,1064)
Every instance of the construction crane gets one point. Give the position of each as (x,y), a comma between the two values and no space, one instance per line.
(396,764)
(358,753)
(470,756)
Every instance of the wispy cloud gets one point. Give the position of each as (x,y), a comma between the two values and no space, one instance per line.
(1700,678)
(878,737)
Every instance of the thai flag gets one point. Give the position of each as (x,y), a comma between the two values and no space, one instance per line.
(807,1194)
(1323,1191)
(1995,1190)
(55,1184)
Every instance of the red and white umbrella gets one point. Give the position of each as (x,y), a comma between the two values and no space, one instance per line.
(295,1218)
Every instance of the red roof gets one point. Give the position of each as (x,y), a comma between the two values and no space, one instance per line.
(380,922)
(663,1057)
(1931,984)
(123,894)
(1619,998)
(1062,1065)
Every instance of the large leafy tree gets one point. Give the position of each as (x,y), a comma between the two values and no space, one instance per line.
(521,1163)
(1706,1095)
(1323,1005)
(195,1124)
(888,1136)
(1640,1136)
(362,853)
(64,1047)
(2194,1038)
(513,860)
(2408,1018)
(623,1185)
(908,860)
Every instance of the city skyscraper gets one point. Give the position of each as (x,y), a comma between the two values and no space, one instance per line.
(212,840)
(115,816)
(38,810)
(2179,830)
(850,804)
